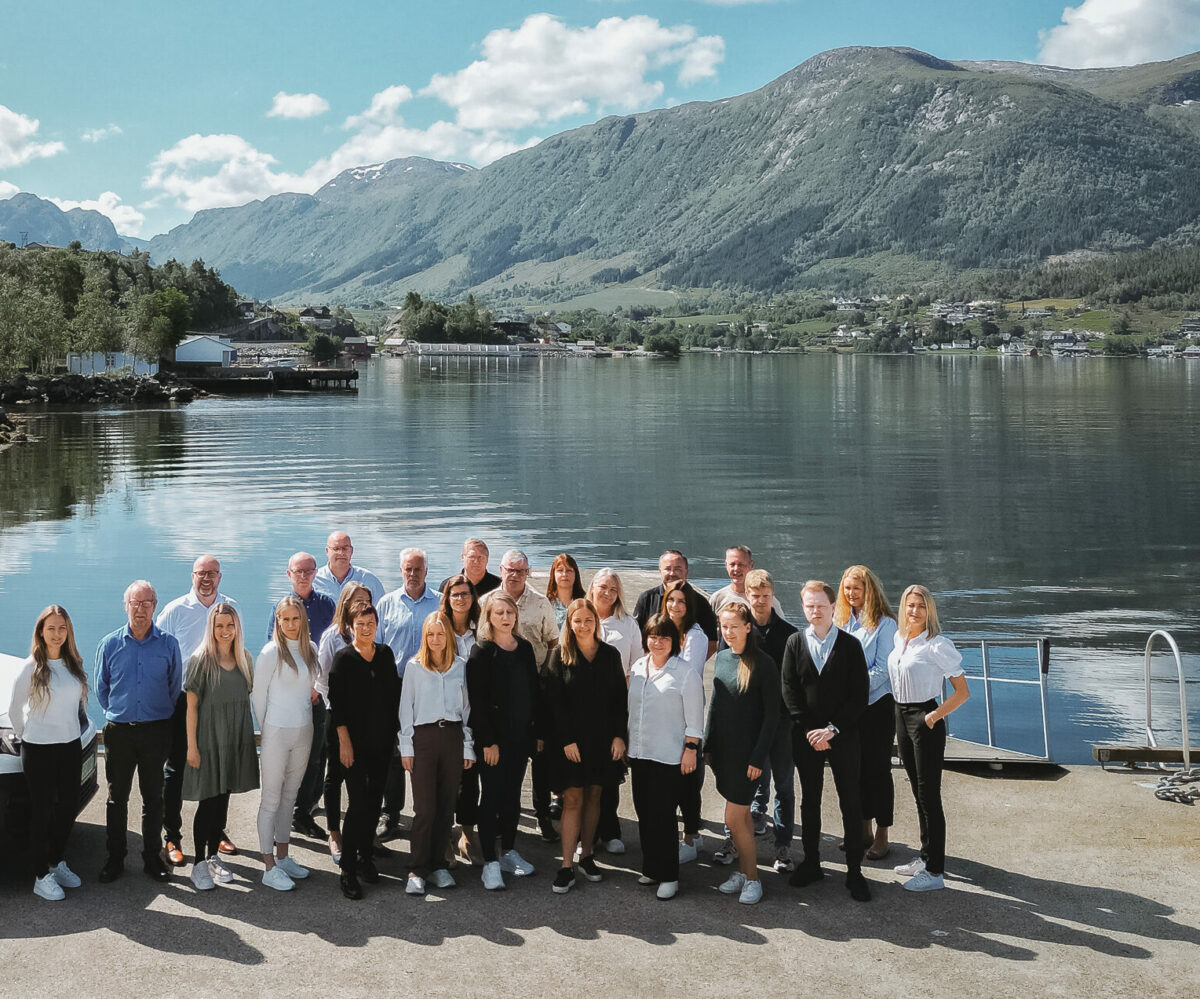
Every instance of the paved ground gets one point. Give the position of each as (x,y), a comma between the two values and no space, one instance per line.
(1063,883)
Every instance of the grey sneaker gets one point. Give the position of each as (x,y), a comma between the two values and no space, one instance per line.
(726,853)
(734,885)
(751,892)
(783,861)
(914,866)
(220,873)
(442,878)
(491,877)
(513,863)
(760,823)
(65,877)
(924,881)
(276,878)
(293,870)
(49,889)
(202,877)
(687,851)
(415,886)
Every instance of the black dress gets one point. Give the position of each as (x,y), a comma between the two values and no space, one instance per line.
(741,723)
(586,704)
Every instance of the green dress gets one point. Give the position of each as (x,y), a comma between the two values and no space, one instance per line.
(224,736)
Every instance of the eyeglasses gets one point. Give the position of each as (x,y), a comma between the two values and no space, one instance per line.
(460,595)
(509,570)
(339,548)
(143,604)
(302,572)
(206,572)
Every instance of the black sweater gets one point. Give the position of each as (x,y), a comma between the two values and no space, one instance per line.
(836,696)
(503,687)
(365,698)
(588,703)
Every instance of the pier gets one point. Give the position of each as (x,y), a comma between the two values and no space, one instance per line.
(264,380)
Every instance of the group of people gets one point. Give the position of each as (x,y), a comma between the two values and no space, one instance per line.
(456,690)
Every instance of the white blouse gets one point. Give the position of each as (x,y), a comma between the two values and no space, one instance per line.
(428,697)
(54,721)
(917,668)
(332,642)
(282,697)
(695,650)
(624,635)
(666,706)
(465,642)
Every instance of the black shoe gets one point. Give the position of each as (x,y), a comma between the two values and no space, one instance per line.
(548,833)
(806,874)
(564,881)
(590,869)
(156,869)
(379,850)
(350,886)
(305,825)
(856,884)
(369,872)
(113,868)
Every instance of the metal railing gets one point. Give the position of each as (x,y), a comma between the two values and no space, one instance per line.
(1183,715)
(1042,645)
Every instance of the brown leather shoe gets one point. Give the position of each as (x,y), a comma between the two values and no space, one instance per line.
(227,848)
(171,854)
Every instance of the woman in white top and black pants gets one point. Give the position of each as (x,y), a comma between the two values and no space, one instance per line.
(920,660)
(666,721)
(47,702)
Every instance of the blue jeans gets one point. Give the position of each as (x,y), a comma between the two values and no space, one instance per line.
(781,764)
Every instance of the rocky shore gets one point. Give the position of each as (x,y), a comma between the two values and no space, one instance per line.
(77,389)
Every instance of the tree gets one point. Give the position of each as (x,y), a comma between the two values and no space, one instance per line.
(663,344)
(158,322)
(324,347)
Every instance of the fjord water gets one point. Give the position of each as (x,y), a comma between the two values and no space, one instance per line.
(1035,497)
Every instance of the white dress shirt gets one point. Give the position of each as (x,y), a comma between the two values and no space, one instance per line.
(695,650)
(428,697)
(918,666)
(185,619)
(624,635)
(666,706)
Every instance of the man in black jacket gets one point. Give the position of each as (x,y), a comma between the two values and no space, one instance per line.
(824,677)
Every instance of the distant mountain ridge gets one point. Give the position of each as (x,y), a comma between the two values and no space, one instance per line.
(855,155)
(27,218)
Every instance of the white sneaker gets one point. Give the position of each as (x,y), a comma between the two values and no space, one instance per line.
(293,870)
(783,861)
(48,888)
(726,853)
(924,881)
(613,846)
(201,876)
(415,886)
(668,889)
(65,877)
(735,884)
(751,893)
(220,873)
(491,877)
(643,880)
(513,863)
(276,878)
(914,866)
(442,878)
(687,852)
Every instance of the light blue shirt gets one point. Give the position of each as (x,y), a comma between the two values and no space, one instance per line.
(138,681)
(324,582)
(428,697)
(401,619)
(819,650)
(877,646)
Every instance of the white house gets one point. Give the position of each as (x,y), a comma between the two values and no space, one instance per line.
(94,362)
(201,348)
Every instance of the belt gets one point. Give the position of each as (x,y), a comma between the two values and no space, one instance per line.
(441,723)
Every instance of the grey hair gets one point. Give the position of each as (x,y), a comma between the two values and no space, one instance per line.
(139,584)
(414,551)
(513,554)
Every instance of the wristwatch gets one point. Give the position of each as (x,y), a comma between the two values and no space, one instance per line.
(692,745)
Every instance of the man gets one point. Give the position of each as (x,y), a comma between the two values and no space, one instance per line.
(302,571)
(824,680)
(186,618)
(672,566)
(535,619)
(402,614)
(475,560)
(138,678)
(339,572)
(738,562)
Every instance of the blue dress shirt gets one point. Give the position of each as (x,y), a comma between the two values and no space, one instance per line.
(401,619)
(327,584)
(138,681)
(877,646)
(819,649)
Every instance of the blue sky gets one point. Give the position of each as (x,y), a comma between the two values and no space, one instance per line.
(150,112)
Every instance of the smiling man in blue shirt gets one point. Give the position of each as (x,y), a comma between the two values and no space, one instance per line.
(138,677)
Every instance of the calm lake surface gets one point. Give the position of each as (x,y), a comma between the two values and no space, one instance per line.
(1035,497)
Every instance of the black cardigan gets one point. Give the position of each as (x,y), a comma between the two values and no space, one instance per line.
(365,698)
(491,690)
(835,696)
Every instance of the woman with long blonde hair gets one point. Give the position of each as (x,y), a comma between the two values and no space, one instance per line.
(46,712)
(221,755)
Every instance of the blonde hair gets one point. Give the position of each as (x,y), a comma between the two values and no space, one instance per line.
(875,604)
(932,625)
(484,632)
(39,683)
(425,656)
(568,644)
(746,657)
(307,652)
(819,586)
(205,665)
(618,607)
(759,577)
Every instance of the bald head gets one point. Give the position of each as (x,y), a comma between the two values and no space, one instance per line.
(301,569)
(339,551)
(206,577)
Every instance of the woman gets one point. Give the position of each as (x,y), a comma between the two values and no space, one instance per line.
(46,712)
(863,611)
(337,636)
(619,629)
(666,715)
(364,706)
(563,587)
(221,755)
(678,607)
(461,605)
(587,709)
(284,673)
(435,747)
(737,740)
(921,658)
(502,683)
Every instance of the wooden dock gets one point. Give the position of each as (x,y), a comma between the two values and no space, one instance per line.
(264,380)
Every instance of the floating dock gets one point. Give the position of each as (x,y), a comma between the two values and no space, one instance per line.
(265,380)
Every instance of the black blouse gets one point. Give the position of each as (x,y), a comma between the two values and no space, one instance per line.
(365,698)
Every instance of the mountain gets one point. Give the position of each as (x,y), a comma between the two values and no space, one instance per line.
(28,218)
(858,159)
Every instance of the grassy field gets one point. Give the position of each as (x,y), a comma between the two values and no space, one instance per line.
(1058,304)
(608,299)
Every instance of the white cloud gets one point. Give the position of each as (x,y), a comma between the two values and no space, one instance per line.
(126,218)
(384,106)
(1101,33)
(7,190)
(100,134)
(297,106)
(243,173)
(18,139)
(544,70)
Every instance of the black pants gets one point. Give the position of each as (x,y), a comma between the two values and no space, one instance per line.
(52,773)
(334,776)
(173,774)
(843,758)
(691,789)
(313,781)
(208,827)
(656,788)
(500,800)
(468,796)
(393,789)
(143,748)
(364,792)
(436,774)
(876,733)
(923,751)
(540,774)
(609,826)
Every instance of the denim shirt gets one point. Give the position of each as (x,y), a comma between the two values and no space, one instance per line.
(877,646)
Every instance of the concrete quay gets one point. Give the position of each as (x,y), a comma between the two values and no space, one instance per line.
(1062,882)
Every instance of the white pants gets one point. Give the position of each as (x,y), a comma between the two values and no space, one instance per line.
(283,759)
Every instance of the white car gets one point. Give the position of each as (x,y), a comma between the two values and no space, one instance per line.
(14,795)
